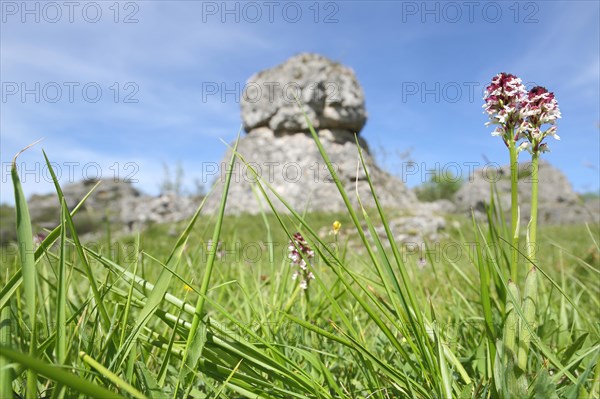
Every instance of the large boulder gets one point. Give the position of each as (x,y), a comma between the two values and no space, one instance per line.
(329,91)
(279,146)
(292,166)
(557,201)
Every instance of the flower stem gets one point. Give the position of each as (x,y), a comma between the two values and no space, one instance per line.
(532,244)
(514,205)
(307,313)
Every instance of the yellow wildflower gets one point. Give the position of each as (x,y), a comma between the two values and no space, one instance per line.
(336,227)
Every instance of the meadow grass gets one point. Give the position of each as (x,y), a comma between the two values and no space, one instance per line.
(207,308)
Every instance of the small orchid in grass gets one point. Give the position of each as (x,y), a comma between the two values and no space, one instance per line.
(521,115)
(503,102)
(540,108)
(296,249)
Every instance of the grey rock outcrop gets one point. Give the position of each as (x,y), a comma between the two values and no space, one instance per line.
(45,209)
(279,146)
(166,208)
(329,91)
(412,229)
(292,166)
(557,201)
(118,201)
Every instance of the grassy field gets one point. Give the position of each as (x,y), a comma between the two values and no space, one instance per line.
(165,313)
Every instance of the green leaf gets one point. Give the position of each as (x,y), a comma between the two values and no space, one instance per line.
(577,390)
(61,294)
(527,324)
(574,347)
(68,221)
(158,291)
(151,388)
(197,335)
(59,375)
(112,377)
(6,372)
(17,279)
(544,387)
(26,252)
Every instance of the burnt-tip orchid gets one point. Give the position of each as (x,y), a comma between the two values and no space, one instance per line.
(503,101)
(539,108)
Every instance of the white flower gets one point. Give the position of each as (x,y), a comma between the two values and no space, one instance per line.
(544,148)
(498,132)
(524,146)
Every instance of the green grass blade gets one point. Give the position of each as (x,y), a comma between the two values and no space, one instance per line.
(111,376)
(10,288)
(17,279)
(6,371)
(79,248)
(305,225)
(152,389)
(195,339)
(26,253)
(484,286)
(61,295)
(57,374)
(577,390)
(222,387)
(158,290)
(130,293)
(446,382)
(547,352)
(586,316)
(530,302)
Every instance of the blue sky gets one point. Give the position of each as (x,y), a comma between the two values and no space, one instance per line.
(172,49)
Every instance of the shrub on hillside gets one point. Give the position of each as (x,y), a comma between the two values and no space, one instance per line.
(440,186)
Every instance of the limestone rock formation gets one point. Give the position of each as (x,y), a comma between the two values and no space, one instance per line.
(118,201)
(45,209)
(557,201)
(292,166)
(165,208)
(330,93)
(279,146)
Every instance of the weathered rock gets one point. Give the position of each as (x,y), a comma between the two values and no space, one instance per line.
(292,165)
(440,207)
(279,146)
(330,93)
(425,222)
(415,229)
(45,209)
(108,192)
(118,201)
(557,202)
(166,208)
